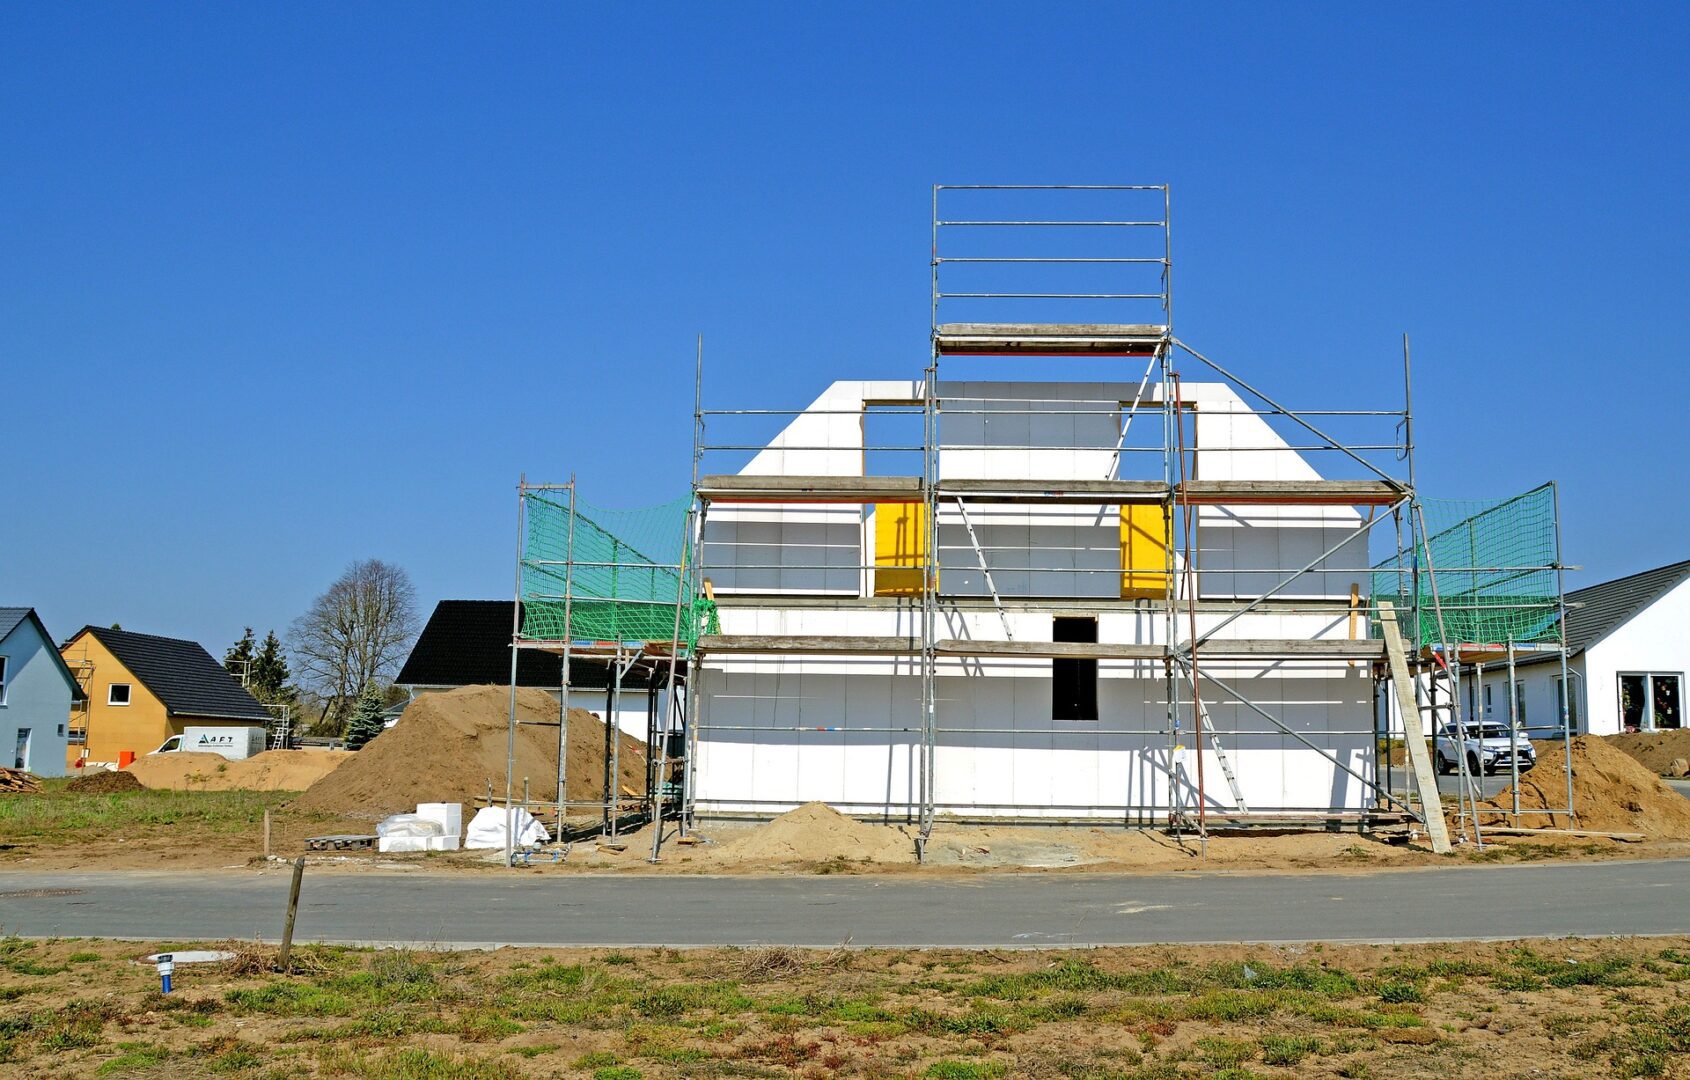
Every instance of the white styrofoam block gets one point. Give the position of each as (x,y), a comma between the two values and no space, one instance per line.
(394,844)
(449,815)
(442,843)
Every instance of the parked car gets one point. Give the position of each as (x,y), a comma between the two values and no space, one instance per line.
(1488,748)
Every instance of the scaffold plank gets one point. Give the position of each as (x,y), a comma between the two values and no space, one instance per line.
(1290,648)
(843,489)
(835,644)
(1050,339)
(1065,650)
(1055,491)
(1414,736)
(1289,492)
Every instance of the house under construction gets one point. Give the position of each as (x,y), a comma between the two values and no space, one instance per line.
(1077,570)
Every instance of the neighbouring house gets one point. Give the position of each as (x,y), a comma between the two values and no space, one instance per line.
(468,643)
(37,691)
(1628,650)
(140,689)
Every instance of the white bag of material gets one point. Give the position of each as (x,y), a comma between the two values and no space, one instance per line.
(487,828)
(409,825)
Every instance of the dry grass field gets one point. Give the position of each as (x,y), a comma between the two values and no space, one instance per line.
(1545,1009)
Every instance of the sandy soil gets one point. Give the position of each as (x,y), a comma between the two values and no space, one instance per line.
(815,839)
(450,746)
(1612,791)
(273,770)
(1655,750)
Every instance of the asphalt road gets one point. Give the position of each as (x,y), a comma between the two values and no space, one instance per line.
(988,910)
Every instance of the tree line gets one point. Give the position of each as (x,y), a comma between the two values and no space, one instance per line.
(335,671)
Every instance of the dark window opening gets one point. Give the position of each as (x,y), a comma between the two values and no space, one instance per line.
(1073,683)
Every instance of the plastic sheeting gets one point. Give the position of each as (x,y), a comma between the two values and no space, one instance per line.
(487,828)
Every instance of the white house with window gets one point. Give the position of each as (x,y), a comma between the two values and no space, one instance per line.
(1628,644)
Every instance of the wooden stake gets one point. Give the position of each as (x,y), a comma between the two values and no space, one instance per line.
(293,912)
(266,832)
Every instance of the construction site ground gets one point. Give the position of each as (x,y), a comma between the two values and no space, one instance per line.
(169,830)
(196,811)
(1565,1008)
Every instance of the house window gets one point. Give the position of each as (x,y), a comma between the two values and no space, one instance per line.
(2,680)
(1073,683)
(20,760)
(1651,701)
(1520,703)
(117,694)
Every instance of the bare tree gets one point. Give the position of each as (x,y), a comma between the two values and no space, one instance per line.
(356,632)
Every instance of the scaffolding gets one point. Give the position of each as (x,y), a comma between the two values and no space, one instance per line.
(615,585)
(1486,582)
(1114,296)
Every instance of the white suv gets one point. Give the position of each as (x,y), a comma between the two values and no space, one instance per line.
(1488,748)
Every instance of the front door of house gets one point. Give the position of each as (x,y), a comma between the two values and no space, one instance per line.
(21,758)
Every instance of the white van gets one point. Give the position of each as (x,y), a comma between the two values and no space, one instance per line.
(233,743)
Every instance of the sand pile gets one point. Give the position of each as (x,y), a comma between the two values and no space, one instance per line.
(816,832)
(273,770)
(1656,750)
(1611,793)
(450,744)
(105,782)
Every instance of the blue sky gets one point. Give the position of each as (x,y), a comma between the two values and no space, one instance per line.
(282,287)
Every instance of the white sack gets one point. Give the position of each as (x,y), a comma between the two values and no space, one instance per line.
(487,828)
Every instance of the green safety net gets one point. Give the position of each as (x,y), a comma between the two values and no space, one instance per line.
(591,573)
(1493,573)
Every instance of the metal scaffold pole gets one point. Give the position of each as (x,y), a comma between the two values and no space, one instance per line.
(693,712)
(563,669)
(1561,623)
(516,631)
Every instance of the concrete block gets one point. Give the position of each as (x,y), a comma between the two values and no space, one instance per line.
(442,843)
(448,815)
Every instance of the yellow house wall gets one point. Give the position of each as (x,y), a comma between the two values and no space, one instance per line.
(140,725)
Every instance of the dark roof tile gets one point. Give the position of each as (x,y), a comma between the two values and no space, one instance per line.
(1596,611)
(182,675)
(468,643)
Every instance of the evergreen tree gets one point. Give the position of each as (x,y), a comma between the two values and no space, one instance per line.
(366,721)
(239,658)
(270,674)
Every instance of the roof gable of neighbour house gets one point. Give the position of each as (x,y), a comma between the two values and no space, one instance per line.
(1596,611)
(181,674)
(468,643)
(12,618)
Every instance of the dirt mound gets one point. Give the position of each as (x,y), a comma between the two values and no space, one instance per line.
(816,832)
(1656,750)
(450,744)
(273,770)
(1611,793)
(105,782)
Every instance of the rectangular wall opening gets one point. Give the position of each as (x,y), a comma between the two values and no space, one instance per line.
(1073,683)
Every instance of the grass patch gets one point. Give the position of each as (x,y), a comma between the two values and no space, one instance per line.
(60,816)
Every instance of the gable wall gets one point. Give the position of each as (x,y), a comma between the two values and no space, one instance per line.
(37,697)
